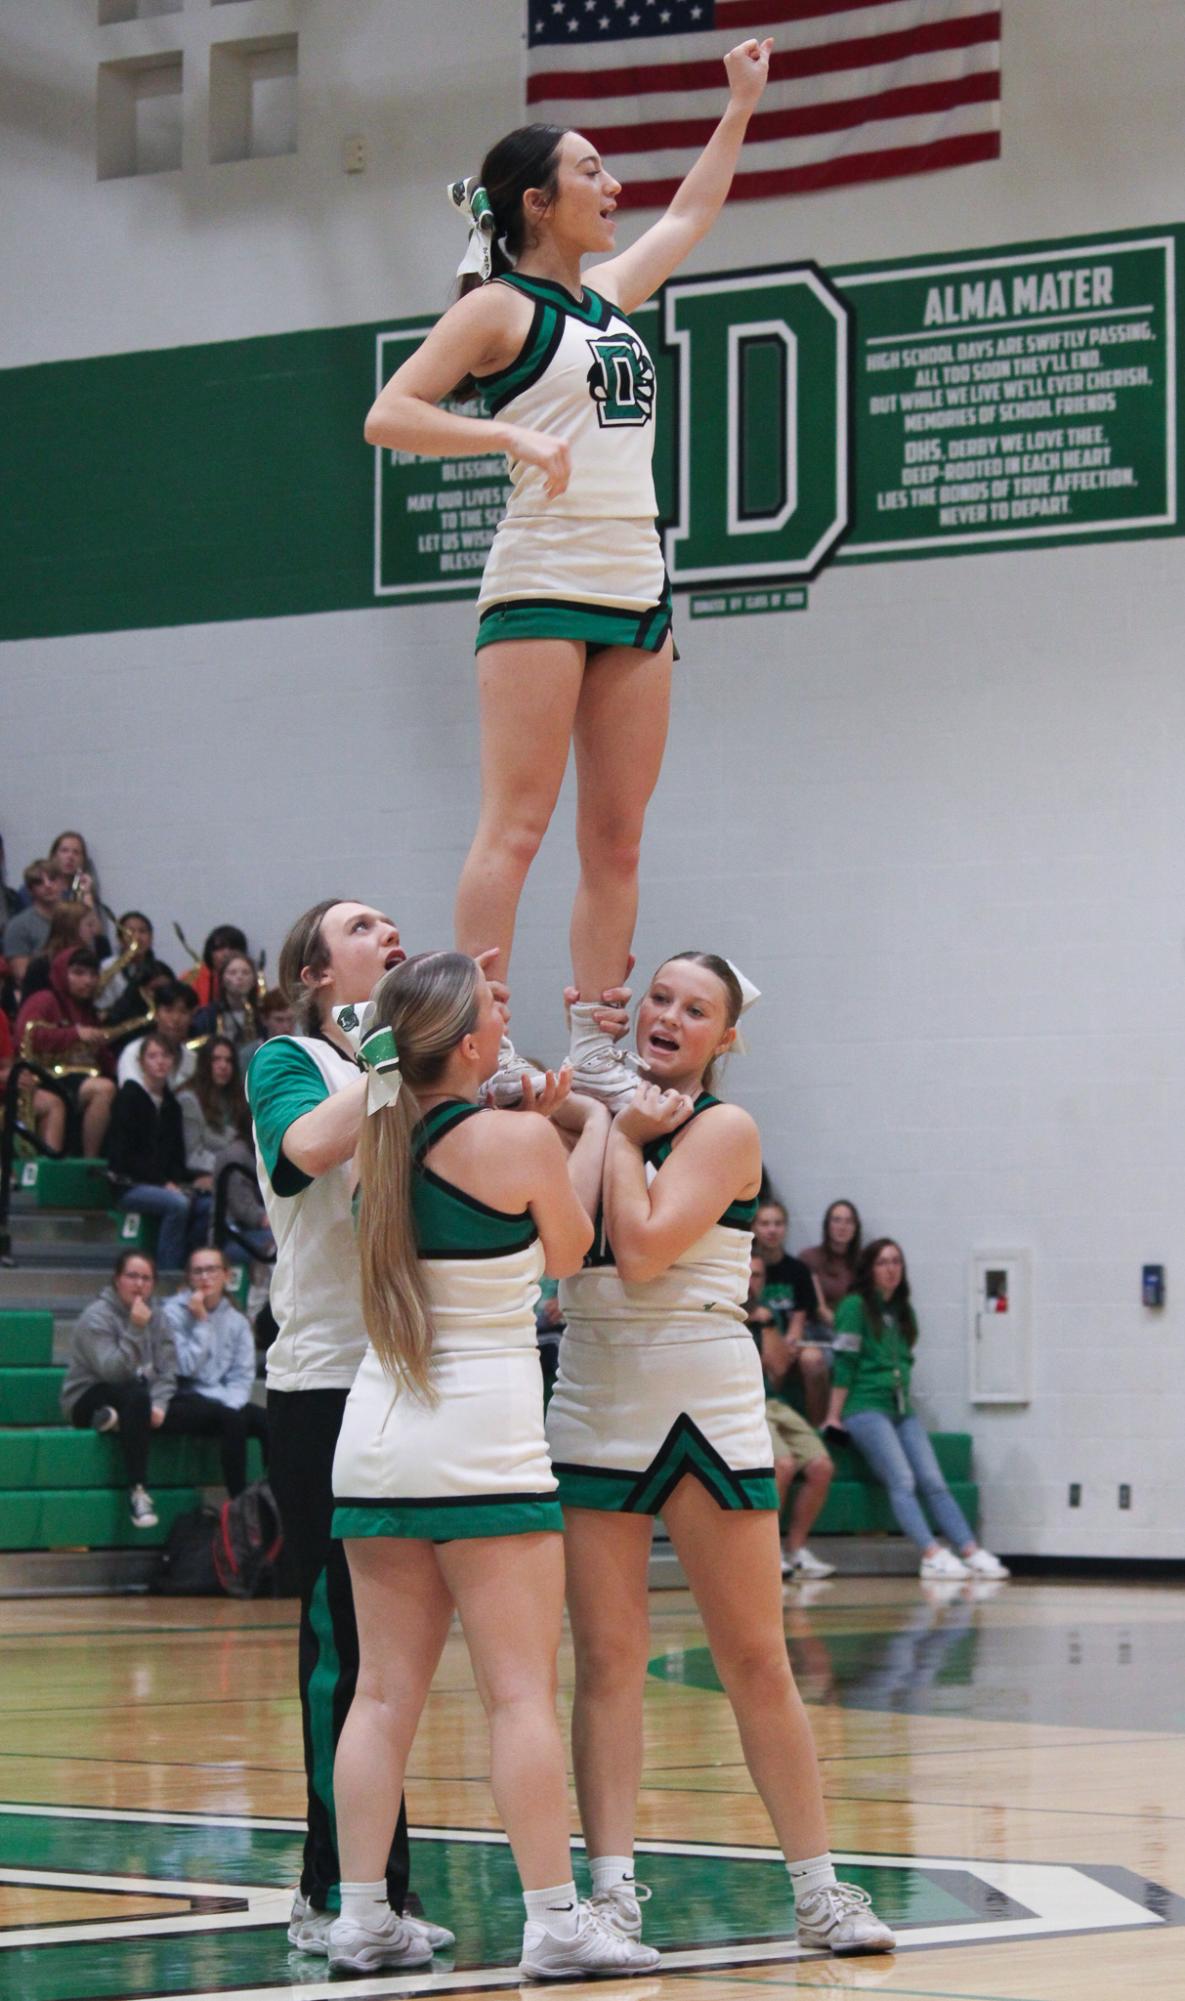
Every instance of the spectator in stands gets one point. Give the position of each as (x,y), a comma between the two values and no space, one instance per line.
(215,1367)
(213,1105)
(44,1108)
(276,1016)
(71,858)
(146,1156)
(174,1005)
(205,978)
(876,1332)
(71,924)
(59,1027)
(27,932)
(128,973)
(245,1220)
(795,1444)
(122,1372)
(791,1287)
(233,1013)
(834,1262)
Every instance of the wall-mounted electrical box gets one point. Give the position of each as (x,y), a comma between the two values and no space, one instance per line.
(1000,1327)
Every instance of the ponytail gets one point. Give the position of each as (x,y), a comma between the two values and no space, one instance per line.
(429,1003)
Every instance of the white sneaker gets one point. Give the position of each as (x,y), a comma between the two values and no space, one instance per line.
(505,1087)
(105,1419)
(437,1936)
(308,1930)
(597,1948)
(621,1907)
(144,1514)
(787,1562)
(806,1564)
(981,1563)
(391,1941)
(841,1919)
(944,1565)
(600,1069)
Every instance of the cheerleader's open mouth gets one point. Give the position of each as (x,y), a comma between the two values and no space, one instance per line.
(395,957)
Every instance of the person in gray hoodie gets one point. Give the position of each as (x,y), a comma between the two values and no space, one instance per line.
(122,1372)
(215,1351)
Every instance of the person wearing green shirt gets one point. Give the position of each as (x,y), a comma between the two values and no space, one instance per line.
(876,1331)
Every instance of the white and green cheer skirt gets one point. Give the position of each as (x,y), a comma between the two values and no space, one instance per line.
(629,1419)
(567,577)
(474,1463)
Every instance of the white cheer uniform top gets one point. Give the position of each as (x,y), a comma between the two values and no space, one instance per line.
(316,1283)
(582,375)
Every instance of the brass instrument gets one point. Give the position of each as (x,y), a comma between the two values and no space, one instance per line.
(125,957)
(65,1065)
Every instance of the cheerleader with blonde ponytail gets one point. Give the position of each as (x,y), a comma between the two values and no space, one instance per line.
(445,1497)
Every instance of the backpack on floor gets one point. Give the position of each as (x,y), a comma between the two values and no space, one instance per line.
(186,1566)
(248,1542)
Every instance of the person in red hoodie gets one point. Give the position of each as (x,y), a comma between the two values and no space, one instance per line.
(63,1028)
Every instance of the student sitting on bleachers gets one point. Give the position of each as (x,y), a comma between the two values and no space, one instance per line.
(146,1157)
(213,1105)
(876,1331)
(233,1013)
(216,1367)
(59,1028)
(123,1371)
(796,1446)
(174,1005)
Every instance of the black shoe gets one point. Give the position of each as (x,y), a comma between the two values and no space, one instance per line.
(105,1419)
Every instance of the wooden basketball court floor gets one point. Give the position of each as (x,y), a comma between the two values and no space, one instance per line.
(1004,1768)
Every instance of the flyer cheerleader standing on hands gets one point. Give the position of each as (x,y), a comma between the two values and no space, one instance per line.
(574,637)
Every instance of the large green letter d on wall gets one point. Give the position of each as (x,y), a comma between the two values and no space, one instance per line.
(763,424)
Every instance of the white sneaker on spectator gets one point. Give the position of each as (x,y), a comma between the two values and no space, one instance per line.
(505,1087)
(944,1566)
(391,1941)
(807,1564)
(981,1563)
(841,1919)
(105,1419)
(599,1068)
(787,1562)
(621,1907)
(596,1948)
(143,1512)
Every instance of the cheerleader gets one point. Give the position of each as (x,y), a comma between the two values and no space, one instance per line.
(659,1409)
(307,1101)
(445,1496)
(574,635)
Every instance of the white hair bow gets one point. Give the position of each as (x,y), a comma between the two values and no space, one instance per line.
(470,199)
(375,1049)
(750,995)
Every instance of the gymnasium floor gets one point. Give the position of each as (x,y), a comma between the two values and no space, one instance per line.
(1005,1772)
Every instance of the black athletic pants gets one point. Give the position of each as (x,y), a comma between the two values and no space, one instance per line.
(132,1403)
(192,1415)
(304,1427)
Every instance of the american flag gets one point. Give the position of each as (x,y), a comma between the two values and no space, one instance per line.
(859,90)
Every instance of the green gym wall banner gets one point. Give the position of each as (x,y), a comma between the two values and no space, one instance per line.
(1019,396)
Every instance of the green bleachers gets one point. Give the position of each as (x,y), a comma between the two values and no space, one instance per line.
(858,1505)
(26,1339)
(65,1489)
(65,1184)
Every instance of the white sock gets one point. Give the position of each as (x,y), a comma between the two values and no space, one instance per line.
(365,1903)
(817,1872)
(610,1870)
(556,1909)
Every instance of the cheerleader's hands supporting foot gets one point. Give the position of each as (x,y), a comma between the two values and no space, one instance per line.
(599,1070)
(653,1114)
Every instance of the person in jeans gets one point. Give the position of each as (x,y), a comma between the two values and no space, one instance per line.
(876,1332)
(215,1367)
(122,1373)
(146,1157)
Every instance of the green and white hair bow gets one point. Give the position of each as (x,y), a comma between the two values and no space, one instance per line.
(470,199)
(376,1050)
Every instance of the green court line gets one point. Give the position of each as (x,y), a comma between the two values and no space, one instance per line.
(138,1632)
